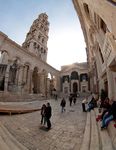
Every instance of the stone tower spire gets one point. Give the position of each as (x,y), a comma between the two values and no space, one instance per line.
(37,37)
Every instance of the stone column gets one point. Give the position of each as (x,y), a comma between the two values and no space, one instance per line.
(30,81)
(20,78)
(79,84)
(24,74)
(43,84)
(58,83)
(110,83)
(27,85)
(6,78)
(46,89)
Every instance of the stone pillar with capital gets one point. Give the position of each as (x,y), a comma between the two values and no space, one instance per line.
(20,78)
(58,83)
(30,81)
(7,77)
(46,87)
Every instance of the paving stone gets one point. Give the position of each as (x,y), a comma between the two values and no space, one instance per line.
(67,128)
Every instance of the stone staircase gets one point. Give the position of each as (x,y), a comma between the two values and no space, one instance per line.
(8,141)
(12,97)
(94,138)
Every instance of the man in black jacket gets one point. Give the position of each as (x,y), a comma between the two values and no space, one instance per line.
(48,114)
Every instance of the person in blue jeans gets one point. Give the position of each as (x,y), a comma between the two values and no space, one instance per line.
(92,104)
(109,115)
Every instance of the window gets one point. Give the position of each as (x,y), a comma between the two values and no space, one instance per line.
(103,26)
(43,40)
(39,37)
(65,78)
(86,8)
(34,44)
(74,75)
(101,55)
(83,77)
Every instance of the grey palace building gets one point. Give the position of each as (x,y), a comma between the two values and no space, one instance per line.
(24,70)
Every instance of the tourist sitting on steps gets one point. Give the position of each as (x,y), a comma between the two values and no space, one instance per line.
(92,104)
(105,107)
(109,115)
(83,104)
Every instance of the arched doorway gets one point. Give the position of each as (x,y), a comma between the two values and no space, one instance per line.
(75,87)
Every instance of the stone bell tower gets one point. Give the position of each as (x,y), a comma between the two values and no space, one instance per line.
(37,37)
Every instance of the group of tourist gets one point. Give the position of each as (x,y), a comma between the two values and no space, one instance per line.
(72,99)
(91,103)
(107,113)
(46,113)
(107,108)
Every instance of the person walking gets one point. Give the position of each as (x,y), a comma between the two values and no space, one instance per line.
(74,100)
(43,119)
(70,99)
(48,114)
(63,104)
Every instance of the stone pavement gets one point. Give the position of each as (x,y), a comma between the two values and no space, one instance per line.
(66,133)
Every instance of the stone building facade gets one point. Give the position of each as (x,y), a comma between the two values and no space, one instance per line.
(23,69)
(74,78)
(98,22)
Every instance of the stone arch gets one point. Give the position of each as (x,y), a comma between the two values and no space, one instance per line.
(4,56)
(74,75)
(49,75)
(16,59)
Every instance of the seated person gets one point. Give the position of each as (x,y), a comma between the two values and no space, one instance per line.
(92,104)
(109,115)
(105,108)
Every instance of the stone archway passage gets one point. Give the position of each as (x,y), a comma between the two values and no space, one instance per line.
(75,87)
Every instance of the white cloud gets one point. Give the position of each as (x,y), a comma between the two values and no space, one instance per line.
(66,46)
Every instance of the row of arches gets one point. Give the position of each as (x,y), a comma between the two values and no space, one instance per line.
(18,76)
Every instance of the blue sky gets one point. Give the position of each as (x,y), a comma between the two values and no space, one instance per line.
(65,45)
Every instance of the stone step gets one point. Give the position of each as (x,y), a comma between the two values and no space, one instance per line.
(86,139)
(9,141)
(106,142)
(94,144)
(112,132)
(20,98)
(3,145)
